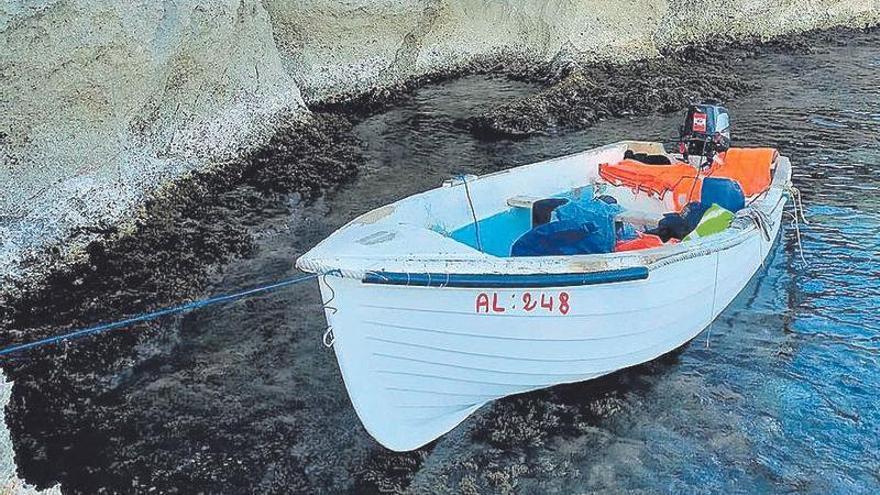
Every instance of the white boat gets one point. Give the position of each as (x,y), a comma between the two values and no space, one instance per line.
(427,328)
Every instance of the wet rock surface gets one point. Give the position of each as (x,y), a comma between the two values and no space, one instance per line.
(191,226)
(578,96)
(245,399)
(587,95)
(167,256)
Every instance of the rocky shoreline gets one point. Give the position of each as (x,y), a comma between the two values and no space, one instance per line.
(184,232)
(93,121)
(189,230)
(181,238)
(312,152)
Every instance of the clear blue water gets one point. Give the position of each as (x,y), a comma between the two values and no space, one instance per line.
(779,395)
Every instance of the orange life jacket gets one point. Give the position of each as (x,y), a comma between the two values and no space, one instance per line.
(679,178)
(643,241)
(751,167)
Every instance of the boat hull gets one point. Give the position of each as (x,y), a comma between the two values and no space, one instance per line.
(418,360)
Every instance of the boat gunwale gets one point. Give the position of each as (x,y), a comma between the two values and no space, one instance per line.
(742,229)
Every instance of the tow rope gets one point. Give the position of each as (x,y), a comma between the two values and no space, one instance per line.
(106,327)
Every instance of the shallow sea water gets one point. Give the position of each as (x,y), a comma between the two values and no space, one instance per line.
(781,394)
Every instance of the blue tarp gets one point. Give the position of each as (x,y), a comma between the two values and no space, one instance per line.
(583,226)
(726,193)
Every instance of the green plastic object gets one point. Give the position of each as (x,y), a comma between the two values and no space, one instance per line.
(714,221)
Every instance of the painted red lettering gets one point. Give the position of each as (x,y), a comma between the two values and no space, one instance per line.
(495,307)
(547,303)
(483,303)
(563,303)
(528,303)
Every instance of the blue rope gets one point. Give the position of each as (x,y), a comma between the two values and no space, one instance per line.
(106,327)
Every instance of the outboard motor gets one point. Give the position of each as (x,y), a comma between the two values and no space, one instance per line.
(706,131)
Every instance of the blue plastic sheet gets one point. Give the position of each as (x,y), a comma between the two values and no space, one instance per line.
(726,193)
(582,226)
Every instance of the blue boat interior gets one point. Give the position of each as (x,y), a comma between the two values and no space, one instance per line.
(528,230)
(577,222)
(497,232)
